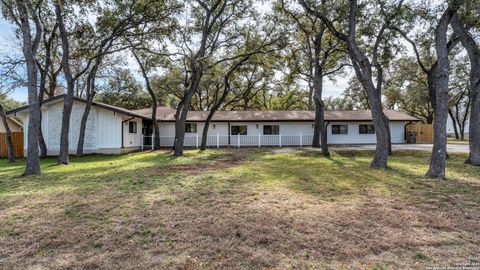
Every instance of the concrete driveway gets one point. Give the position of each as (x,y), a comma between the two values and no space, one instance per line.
(459,148)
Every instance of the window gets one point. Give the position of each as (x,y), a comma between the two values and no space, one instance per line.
(339,129)
(366,129)
(271,129)
(132,127)
(191,128)
(239,130)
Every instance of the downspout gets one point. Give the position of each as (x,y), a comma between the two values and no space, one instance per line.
(228,133)
(123,122)
(326,130)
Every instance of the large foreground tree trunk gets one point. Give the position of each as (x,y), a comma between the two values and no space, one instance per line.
(320,130)
(29,50)
(68,100)
(364,73)
(8,135)
(439,151)
(474,129)
(468,42)
(182,112)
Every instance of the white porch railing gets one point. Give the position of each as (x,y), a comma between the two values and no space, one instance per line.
(233,140)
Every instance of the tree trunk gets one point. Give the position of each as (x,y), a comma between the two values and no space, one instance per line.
(29,51)
(90,94)
(182,112)
(41,139)
(180,121)
(454,123)
(8,135)
(439,152)
(363,71)
(320,130)
(310,97)
(382,133)
(68,100)
(430,118)
(215,107)
(83,125)
(387,123)
(156,127)
(468,42)
(474,129)
(203,146)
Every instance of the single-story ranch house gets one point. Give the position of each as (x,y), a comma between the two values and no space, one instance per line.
(113,130)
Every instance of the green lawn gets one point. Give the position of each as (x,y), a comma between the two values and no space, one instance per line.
(241,209)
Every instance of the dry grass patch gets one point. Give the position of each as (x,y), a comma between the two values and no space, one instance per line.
(238,209)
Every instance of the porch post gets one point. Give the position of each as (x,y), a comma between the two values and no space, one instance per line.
(301,143)
(238,140)
(280,140)
(196,140)
(218,141)
(259,140)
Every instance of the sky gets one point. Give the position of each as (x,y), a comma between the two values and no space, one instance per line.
(10,46)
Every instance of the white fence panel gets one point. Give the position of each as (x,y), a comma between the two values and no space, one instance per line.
(289,140)
(194,140)
(167,141)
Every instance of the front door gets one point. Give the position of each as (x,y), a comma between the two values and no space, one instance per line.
(147,131)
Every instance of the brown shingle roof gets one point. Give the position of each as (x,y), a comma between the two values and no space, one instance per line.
(168,114)
(98,104)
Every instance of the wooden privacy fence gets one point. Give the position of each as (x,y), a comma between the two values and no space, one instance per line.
(420,133)
(17,140)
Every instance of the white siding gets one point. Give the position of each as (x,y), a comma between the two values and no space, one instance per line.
(397,132)
(289,131)
(52,125)
(132,139)
(109,129)
(102,134)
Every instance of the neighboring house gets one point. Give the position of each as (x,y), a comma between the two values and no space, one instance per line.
(115,130)
(13,124)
